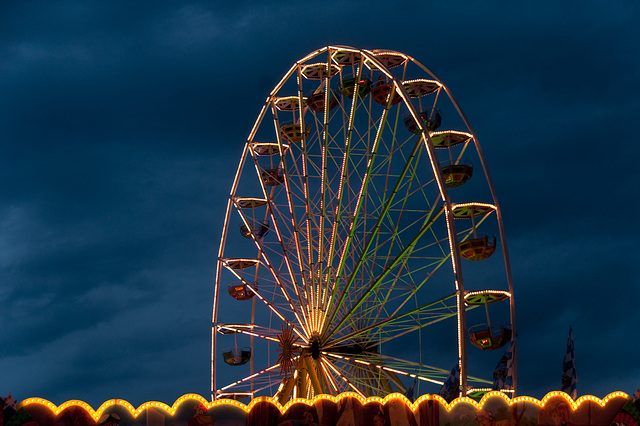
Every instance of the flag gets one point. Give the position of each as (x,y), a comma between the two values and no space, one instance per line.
(569,376)
(503,374)
(451,388)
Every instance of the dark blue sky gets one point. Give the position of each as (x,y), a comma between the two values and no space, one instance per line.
(121,124)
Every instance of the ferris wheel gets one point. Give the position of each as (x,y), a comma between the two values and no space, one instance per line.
(361,200)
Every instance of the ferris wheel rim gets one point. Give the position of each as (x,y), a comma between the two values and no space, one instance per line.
(284,150)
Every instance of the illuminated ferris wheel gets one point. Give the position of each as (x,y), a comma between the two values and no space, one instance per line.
(361,200)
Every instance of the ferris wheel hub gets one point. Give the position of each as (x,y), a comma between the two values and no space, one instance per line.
(315,346)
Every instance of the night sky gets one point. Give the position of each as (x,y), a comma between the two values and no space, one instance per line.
(122,123)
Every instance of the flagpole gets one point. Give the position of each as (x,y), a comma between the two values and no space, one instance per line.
(569,376)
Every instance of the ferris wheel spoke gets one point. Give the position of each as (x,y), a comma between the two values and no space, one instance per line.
(403,367)
(250,330)
(373,233)
(273,308)
(318,278)
(289,303)
(423,372)
(303,261)
(347,380)
(401,324)
(332,305)
(308,217)
(263,251)
(366,373)
(342,186)
(302,296)
(306,295)
(254,383)
(325,152)
(275,253)
(283,288)
(401,286)
(395,238)
(426,371)
(417,285)
(377,282)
